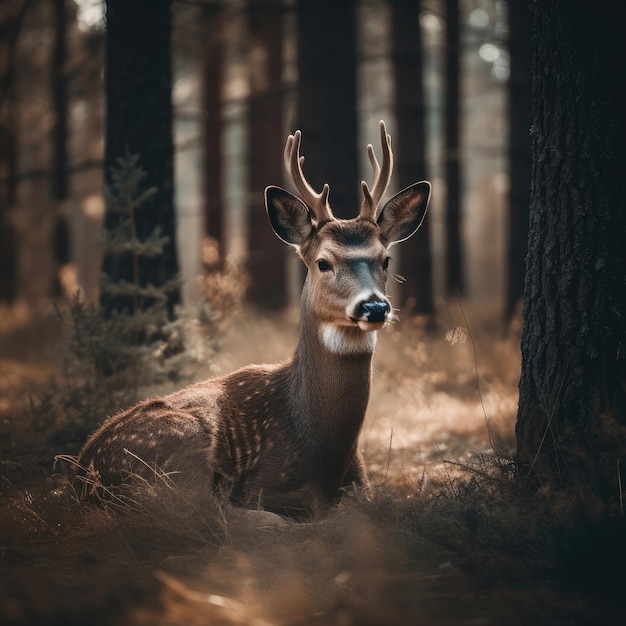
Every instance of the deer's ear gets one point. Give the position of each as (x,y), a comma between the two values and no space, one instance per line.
(404,213)
(290,217)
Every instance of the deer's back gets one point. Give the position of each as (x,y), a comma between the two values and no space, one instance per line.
(238,431)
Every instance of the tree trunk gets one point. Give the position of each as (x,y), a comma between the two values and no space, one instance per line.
(8,254)
(59,103)
(212,108)
(12,18)
(571,425)
(139,122)
(266,255)
(455,283)
(520,120)
(59,141)
(410,146)
(327,111)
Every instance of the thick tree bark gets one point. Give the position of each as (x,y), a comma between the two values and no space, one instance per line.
(266,255)
(520,120)
(455,283)
(327,99)
(139,122)
(410,147)
(571,426)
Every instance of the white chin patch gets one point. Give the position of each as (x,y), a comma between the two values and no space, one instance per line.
(370,326)
(347,340)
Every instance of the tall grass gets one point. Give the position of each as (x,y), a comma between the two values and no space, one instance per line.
(449,536)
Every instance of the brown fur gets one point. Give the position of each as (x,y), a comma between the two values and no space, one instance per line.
(281,436)
(244,433)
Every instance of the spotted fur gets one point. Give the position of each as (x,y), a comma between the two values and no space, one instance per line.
(279,436)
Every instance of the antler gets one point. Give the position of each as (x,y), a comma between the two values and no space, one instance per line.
(317,202)
(382,176)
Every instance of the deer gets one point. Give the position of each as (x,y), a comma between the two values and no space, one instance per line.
(282,437)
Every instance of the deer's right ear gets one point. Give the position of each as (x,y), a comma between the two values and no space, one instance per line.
(404,213)
(290,217)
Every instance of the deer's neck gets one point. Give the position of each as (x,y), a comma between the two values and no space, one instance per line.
(330,381)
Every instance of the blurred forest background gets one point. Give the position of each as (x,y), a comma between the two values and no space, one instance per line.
(450,78)
(136,255)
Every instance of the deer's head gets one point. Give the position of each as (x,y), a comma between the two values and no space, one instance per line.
(347,259)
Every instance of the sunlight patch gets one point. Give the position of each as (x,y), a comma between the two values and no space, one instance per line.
(90,14)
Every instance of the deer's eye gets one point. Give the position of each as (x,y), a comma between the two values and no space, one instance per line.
(386,263)
(323,265)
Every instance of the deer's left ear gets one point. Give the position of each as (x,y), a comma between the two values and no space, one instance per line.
(404,213)
(290,217)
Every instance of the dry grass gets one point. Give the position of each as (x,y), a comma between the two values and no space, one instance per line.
(448,538)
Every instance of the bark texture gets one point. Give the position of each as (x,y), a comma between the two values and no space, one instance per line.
(571,427)
(520,120)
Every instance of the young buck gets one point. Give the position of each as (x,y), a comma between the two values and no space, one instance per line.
(281,435)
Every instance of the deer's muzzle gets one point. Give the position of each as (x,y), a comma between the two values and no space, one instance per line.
(371,314)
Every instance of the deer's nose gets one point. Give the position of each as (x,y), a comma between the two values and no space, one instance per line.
(373,310)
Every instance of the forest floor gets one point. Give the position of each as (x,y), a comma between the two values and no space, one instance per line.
(449,537)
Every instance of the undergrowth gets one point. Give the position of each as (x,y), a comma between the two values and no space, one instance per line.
(110,359)
(480,551)
(471,545)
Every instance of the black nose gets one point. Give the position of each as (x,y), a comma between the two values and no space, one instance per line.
(375,311)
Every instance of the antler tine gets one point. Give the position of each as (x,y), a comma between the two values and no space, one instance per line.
(382,176)
(317,202)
